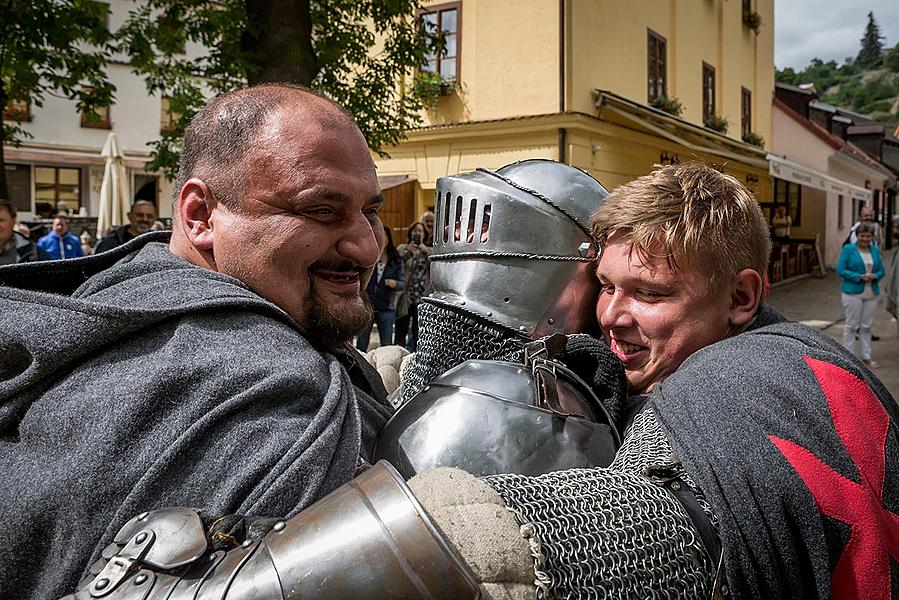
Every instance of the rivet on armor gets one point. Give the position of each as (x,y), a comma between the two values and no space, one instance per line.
(102,583)
(246,544)
(675,485)
(551,320)
(427,387)
(279,526)
(443,297)
(462,303)
(141,538)
(142,577)
(522,328)
(506,299)
(489,314)
(143,516)
(583,249)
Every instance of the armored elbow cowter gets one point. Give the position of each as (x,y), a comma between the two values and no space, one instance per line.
(367,536)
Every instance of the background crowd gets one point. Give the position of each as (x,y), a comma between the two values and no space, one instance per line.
(19,243)
(400,280)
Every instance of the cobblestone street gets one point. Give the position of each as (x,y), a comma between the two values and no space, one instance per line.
(816,302)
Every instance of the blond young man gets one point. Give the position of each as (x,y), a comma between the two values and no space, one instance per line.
(682,267)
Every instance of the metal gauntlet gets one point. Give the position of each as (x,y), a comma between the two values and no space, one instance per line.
(367,539)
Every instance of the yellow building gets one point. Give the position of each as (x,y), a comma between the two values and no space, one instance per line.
(574,80)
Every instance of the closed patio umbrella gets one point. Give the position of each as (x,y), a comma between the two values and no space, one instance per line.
(114,192)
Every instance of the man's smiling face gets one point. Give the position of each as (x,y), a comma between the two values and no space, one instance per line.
(654,317)
(306,234)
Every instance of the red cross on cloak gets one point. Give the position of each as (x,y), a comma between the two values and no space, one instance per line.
(863,570)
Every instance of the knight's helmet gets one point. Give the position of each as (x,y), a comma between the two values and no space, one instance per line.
(513,246)
(513,260)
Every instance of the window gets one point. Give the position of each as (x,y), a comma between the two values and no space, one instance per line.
(445,19)
(790,195)
(841,216)
(18,181)
(17,110)
(657,67)
(745,112)
(708,92)
(97,118)
(102,9)
(58,187)
(167,118)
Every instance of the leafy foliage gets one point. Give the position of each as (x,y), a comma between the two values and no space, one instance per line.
(430,86)
(716,123)
(670,105)
(872,43)
(754,139)
(854,84)
(752,20)
(326,45)
(891,60)
(51,47)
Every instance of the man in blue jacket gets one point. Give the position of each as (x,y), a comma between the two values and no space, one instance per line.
(60,242)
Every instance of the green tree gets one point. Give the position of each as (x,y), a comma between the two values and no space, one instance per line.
(51,47)
(324,44)
(872,43)
(891,60)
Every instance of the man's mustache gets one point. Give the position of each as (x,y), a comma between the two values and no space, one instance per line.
(332,264)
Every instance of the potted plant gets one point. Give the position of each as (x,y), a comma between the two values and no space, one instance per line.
(754,139)
(716,123)
(670,105)
(429,86)
(752,20)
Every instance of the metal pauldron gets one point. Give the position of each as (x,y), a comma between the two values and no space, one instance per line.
(492,417)
(367,539)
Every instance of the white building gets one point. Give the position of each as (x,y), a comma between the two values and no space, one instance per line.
(61,162)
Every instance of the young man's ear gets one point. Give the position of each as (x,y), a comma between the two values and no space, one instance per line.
(195,206)
(746,295)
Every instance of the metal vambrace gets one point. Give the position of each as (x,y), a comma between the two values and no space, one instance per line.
(367,539)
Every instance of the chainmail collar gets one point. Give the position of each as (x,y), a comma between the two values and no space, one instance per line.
(448,337)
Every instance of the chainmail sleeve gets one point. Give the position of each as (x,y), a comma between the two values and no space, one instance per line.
(448,338)
(610,532)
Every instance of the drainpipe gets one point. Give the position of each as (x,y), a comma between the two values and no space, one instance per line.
(562,133)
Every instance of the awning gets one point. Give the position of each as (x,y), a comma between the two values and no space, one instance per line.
(788,170)
(391,181)
(54,154)
(621,110)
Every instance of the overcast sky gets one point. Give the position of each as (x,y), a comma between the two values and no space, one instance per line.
(828,29)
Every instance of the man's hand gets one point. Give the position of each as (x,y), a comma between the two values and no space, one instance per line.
(391,283)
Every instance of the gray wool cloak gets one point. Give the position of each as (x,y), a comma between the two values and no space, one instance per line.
(796,447)
(157,383)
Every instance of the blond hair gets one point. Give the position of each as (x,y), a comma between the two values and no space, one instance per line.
(688,214)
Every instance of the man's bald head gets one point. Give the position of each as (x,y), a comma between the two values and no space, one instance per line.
(222,134)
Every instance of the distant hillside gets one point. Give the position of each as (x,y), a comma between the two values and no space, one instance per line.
(869,91)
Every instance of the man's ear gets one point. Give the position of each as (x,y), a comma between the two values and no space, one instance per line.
(746,294)
(195,206)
